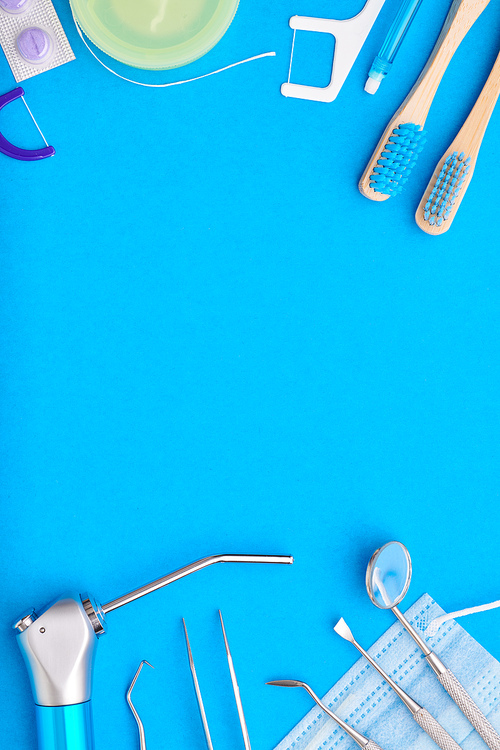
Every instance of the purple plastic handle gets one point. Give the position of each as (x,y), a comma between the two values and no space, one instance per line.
(8,148)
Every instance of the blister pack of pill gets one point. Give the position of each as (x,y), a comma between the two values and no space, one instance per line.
(32,37)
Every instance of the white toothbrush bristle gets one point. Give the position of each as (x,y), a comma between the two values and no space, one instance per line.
(446,188)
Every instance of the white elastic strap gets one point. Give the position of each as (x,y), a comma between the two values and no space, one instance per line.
(173,83)
(435,624)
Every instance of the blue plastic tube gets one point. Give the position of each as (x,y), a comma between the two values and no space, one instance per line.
(393,41)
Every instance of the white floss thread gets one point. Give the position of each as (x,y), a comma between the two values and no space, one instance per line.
(434,626)
(172,83)
(33,118)
(291,55)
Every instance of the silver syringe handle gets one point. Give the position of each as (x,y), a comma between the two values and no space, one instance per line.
(192,568)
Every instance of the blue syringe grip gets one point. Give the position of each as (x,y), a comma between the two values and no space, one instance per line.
(65,727)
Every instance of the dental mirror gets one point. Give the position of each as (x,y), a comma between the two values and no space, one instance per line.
(388,578)
(388,575)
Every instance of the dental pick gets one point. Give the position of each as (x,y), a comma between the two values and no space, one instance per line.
(236,689)
(58,645)
(197,690)
(360,739)
(142,736)
(424,719)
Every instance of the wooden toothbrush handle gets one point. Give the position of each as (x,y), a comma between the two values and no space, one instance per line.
(415,108)
(460,19)
(472,132)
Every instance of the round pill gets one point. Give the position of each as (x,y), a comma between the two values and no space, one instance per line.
(35,44)
(15,6)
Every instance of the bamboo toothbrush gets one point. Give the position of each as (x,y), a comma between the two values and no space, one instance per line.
(403,139)
(454,171)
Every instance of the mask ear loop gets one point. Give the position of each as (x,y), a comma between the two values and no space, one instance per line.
(436,623)
(164,85)
(8,148)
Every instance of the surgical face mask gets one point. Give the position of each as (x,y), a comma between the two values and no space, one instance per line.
(32,37)
(365,702)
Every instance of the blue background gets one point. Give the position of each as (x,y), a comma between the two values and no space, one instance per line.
(211,342)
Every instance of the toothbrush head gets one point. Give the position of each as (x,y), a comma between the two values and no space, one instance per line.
(443,193)
(397,159)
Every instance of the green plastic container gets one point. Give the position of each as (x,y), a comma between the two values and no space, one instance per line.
(154,34)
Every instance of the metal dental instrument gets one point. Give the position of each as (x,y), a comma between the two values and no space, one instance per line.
(58,647)
(236,689)
(388,577)
(198,691)
(360,739)
(142,736)
(428,723)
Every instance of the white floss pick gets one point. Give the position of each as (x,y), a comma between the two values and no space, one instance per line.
(32,37)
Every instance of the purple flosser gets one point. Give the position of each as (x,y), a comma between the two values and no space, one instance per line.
(8,148)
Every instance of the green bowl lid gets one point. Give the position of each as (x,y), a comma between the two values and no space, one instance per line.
(154,34)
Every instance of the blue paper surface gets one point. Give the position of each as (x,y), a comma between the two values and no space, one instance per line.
(211,342)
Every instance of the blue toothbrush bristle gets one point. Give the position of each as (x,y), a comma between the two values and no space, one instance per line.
(446,189)
(397,159)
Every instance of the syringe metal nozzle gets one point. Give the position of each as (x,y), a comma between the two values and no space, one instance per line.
(192,568)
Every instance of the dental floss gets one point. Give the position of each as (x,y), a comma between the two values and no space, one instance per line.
(363,699)
(155,34)
(32,117)
(172,83)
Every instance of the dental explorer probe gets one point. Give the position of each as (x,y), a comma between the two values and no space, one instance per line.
(58,646)
(388,577)
(360,739)
(197,690)
(424,719)
(236,689)
(140,725)
(234,682)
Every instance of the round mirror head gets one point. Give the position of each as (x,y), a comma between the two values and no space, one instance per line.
(388,575)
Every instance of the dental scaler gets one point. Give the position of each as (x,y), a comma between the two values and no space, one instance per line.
(58,646)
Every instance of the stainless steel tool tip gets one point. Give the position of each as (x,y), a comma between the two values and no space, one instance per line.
(140,725)
(286,683)
(342,629)
(236,689)
(197,690)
